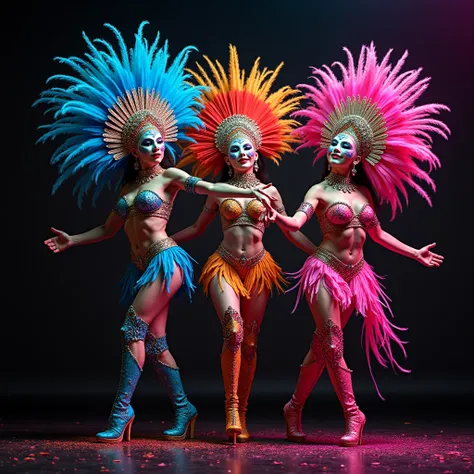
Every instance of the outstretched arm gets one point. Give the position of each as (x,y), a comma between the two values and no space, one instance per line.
(297,238)
(189,183)
(208,213)
(63,241)
(422,255)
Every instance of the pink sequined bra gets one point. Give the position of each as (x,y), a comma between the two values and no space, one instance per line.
(340,216)
(232,214)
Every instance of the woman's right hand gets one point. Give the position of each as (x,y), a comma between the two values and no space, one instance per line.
(59,243)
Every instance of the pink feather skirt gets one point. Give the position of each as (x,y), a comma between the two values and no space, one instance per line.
(359,285)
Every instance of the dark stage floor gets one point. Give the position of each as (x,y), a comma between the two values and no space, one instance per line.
(42,446)
(412,435)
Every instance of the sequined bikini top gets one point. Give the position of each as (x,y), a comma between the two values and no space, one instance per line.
(232,214)
(146,203)
(340,216)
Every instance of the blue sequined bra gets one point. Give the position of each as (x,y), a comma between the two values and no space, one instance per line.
(146,203)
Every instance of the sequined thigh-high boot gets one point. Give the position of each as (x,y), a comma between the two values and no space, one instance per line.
(122,414)
(248,365)
(232,327)
(185,413)
(332,347)
(308,376)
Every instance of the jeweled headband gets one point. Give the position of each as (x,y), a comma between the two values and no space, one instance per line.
(131,114)
(364,121)
(235,126)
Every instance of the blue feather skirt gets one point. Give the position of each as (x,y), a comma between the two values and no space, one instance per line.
(161,258)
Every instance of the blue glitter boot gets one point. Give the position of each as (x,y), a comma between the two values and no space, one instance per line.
(122,414)
(185,413)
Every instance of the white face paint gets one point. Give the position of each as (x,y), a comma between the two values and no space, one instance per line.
(241,155)
(343,151)
(150,148)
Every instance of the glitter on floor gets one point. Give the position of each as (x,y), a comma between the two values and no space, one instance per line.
(393,446)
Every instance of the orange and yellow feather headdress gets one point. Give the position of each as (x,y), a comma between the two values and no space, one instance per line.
(235,105)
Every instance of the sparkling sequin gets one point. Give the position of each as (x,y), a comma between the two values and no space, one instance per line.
(147,201)
(154,249)
(347,271)
(339,213)
(233,214)
(307,208)
(190,184)
(121,208)
(232,329)
(249,344)
(134,328)
(155,345)
(331,342)
(242,264)
(339,216)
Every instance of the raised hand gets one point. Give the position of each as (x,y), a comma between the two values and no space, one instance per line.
(61,242)
(428,258)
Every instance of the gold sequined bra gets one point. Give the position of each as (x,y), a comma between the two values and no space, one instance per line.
(340,216)
(146,203)
(232,214)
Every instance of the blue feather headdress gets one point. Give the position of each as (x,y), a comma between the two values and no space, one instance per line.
(109,99)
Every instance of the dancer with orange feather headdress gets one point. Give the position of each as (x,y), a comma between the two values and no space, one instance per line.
(244,122)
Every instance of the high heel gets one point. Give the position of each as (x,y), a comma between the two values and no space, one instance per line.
(308,376)
(108,435)
(122,414)
(230,365)
(292,414)
(248,365)
(191,427)
(354,427)
(185,412)
(128,430)
(341,378)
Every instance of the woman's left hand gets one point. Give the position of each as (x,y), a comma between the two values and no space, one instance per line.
(262,196)
(428,258)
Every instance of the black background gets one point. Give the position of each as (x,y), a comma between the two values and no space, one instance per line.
(60,327)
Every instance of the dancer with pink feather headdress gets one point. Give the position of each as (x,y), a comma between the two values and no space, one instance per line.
(374,139)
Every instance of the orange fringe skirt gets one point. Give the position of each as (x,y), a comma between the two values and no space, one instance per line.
(244,275)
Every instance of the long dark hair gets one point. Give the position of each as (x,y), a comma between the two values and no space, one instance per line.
(360,178)
(261,174)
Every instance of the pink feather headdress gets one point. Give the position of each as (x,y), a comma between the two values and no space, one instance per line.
(375,104)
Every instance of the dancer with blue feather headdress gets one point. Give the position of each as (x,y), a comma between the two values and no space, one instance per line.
(123,114)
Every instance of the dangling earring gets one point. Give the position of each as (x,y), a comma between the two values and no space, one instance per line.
(354,170)
(255,166)
(329,167)
(136,165)
(229,172)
